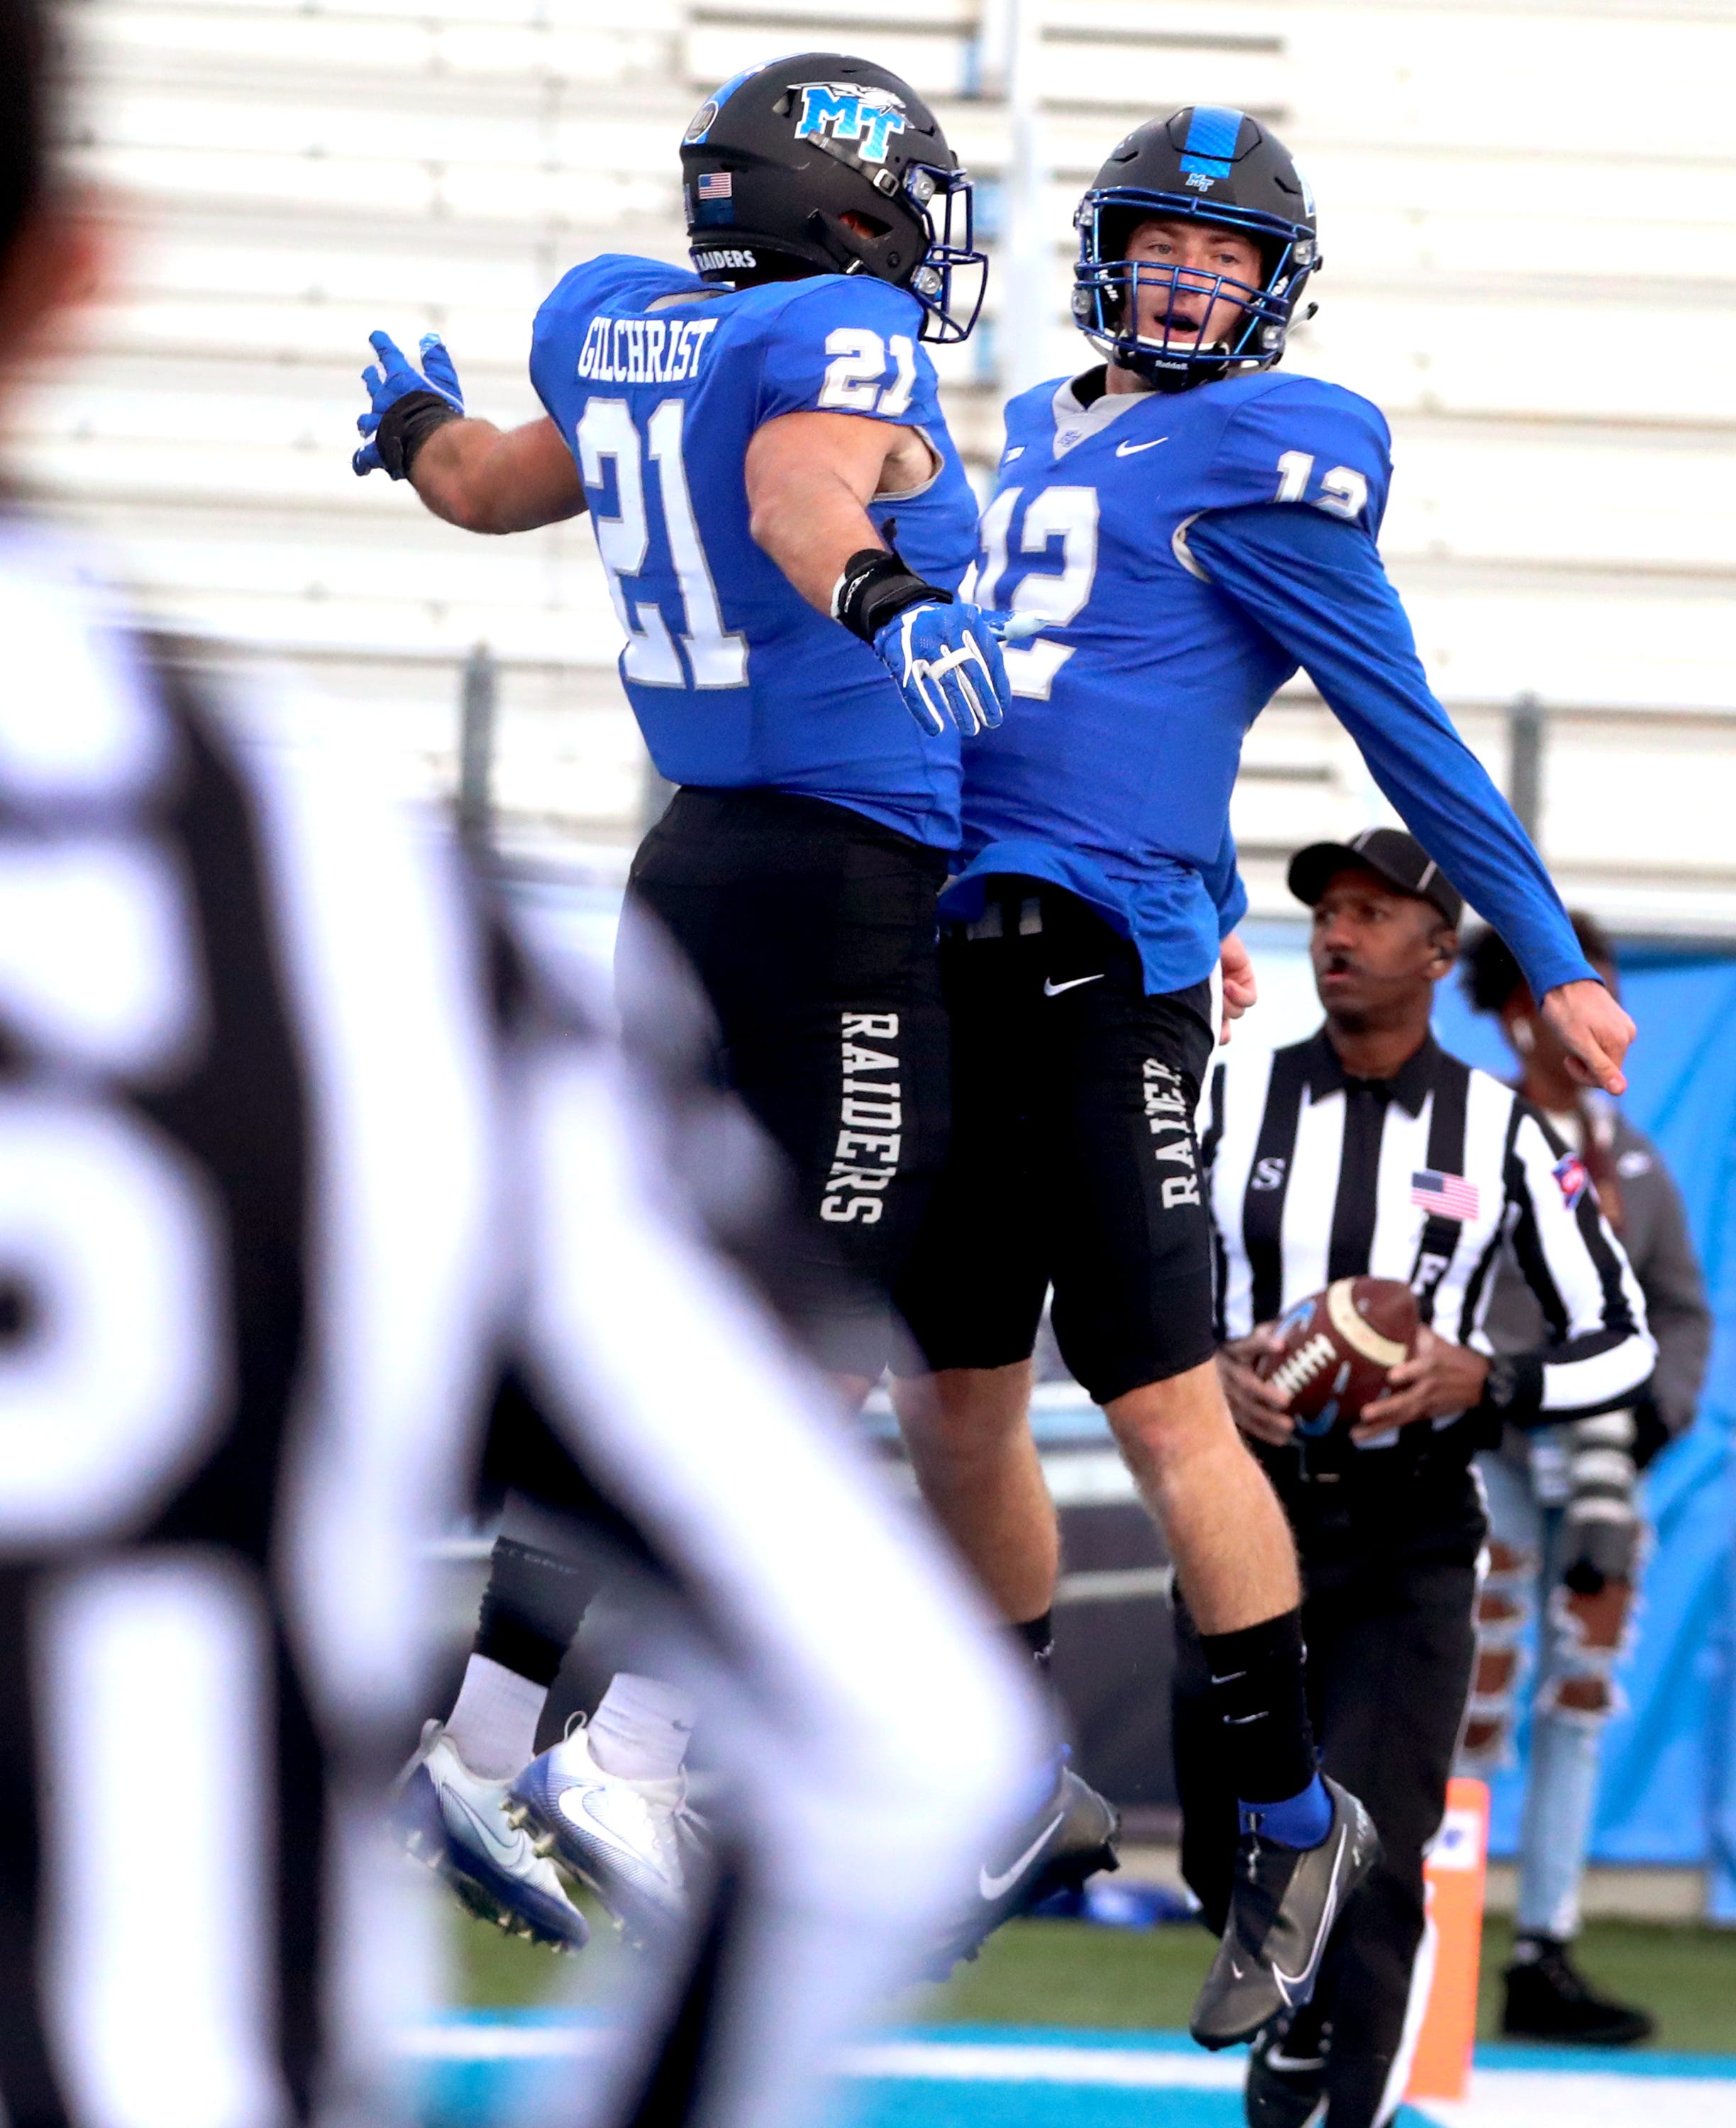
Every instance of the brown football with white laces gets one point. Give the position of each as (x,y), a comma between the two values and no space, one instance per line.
(1338,1346)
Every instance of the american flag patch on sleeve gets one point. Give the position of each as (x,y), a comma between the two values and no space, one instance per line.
(1448,1195)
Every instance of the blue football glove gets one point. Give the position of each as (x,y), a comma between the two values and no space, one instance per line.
(947,659)
(395,379)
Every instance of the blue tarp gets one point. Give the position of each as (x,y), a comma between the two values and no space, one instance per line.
(1669,1792)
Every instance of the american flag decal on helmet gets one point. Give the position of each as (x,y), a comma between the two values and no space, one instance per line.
(1449,1196)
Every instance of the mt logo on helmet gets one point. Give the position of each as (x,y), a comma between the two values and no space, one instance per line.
(851,111)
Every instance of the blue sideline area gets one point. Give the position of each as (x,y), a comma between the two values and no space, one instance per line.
(492,2070)
(1669,1772)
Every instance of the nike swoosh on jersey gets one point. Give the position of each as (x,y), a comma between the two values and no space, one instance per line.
(1055,990)
(1127,450)
(993,1887)
(1286,1981)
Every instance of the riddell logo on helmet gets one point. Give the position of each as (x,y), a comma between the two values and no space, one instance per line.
(848,111)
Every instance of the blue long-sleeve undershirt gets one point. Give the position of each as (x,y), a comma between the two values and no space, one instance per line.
(1224,883)
(1315,585)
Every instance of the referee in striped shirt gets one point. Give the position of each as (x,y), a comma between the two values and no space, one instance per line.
(1367,1149)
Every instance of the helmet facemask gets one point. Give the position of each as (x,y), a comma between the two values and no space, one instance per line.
(1106,285)
(943,249)
(952,305)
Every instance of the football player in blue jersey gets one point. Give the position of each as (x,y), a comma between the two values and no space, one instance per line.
(1191,526)
(750,437)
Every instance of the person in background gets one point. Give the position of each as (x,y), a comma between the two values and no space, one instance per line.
(1565,1530)
(1367,1151)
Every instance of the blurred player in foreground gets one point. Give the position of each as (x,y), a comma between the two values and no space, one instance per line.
(1191,527)
(747,436)
(1565,1538)
(1367,1151)
(299,1167)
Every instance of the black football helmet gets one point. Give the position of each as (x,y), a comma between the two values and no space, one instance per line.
(775,159)
(1210,165)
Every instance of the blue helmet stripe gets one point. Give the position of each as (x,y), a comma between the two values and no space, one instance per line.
(721,97)
(1212,132)
(1211,141)
(705,117)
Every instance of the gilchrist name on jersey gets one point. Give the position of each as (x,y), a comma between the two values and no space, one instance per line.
(735,679)
(1113,775)
(644,350)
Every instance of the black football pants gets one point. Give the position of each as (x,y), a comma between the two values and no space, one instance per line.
(1073,1161)
(1389,1667)
(813,931)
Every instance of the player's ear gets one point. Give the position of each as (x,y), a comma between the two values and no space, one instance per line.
(1444,954)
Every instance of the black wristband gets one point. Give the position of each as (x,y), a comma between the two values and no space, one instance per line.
(1513,1391)
(875,584)
(406,424)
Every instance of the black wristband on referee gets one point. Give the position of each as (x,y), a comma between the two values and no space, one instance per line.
(406,424)
(1513,1391)
(875,584)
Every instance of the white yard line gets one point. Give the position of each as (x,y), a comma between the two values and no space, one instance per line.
(962,2062)
(889,2060)
(1578,2098)
(1500,2097)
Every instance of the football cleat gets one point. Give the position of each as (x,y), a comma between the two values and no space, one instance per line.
(633,1842)
(1548,1997)
(1282,1910)
(1286,2079)
(456,1822)
(1071,1837)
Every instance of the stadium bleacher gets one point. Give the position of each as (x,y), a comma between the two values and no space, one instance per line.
(1538,289)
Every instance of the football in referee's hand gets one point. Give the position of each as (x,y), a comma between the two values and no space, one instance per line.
(1336,1348)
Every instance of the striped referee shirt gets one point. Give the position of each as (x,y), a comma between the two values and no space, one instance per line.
(1427,1177)
(302,1166)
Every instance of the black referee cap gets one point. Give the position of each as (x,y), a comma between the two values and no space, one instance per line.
(1392,854)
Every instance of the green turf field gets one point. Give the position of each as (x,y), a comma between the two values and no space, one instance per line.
(1065,1973)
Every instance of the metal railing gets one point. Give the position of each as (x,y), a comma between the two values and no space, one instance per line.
(479,698)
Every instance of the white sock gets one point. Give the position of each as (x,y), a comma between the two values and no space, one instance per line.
(640,1731)
(492,1724)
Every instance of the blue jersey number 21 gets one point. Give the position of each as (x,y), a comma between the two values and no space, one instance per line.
(608,433)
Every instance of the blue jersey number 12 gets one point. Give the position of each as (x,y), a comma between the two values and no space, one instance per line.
(1070,514)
